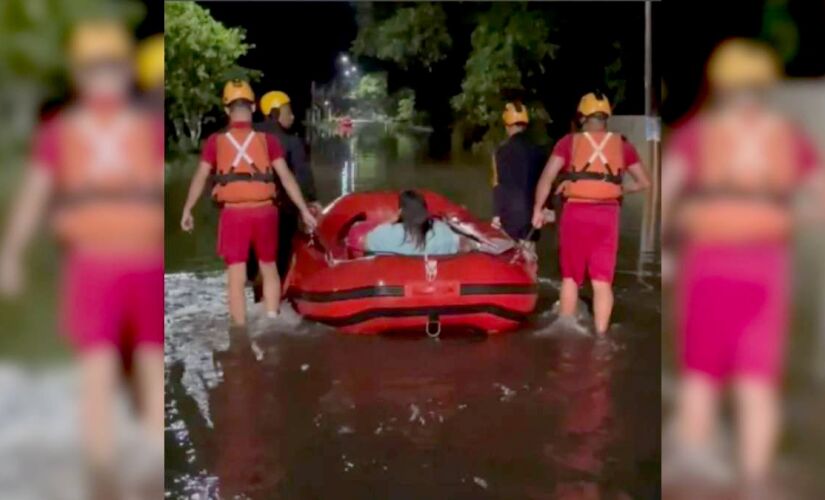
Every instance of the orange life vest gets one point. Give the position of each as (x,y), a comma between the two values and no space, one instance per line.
(109,184)
(596,167)
(745,179)
(243,173)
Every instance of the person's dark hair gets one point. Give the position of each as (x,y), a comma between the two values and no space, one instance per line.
(274,113)
(414,217)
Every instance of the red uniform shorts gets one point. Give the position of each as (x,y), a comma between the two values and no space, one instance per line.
(589,241)
(242,228)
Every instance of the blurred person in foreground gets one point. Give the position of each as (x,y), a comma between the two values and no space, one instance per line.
(277,110)
(730,176)
(99,162)
(149,72)
(590,165)
(245,164)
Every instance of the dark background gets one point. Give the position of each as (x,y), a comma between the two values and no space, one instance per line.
(298,42)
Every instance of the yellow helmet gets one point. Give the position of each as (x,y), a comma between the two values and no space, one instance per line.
(590,103)
(237,89)
(273,100)
(150,62)
(511,115)
(99,41)
(740,62)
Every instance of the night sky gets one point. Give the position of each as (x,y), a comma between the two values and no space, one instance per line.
(298,42)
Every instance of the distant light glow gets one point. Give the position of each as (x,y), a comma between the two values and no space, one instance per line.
(345,59)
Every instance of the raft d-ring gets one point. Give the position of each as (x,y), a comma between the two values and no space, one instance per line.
(433,328)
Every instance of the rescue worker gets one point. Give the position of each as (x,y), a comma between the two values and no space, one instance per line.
(517,165)
(149,71)
(591,165)
(245,165)
(99,163)
(277,110)
(729,178)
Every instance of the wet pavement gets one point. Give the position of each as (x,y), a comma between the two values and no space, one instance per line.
(296,410)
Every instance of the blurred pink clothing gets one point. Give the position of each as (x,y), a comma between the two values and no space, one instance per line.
(107,298)
(733,310)
(112,301)
(733,300)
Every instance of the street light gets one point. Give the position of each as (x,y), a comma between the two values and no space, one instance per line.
(345,59)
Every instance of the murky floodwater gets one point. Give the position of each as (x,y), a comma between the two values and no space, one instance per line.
(299,411)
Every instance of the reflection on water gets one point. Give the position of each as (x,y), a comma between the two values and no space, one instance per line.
(304,412)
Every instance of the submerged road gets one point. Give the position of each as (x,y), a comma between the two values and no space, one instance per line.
(296,410)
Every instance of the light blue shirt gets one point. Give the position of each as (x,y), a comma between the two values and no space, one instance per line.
(389,238)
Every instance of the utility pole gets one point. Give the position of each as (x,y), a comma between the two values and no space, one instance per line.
(650,217)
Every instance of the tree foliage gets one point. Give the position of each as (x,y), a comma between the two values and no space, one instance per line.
(32,54)
(405,105)
(780,29)
(201,55)
(510,45)
(411,35)
(370,93)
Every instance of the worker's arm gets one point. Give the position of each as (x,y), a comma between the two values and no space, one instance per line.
(496,193)
(293,190)
(544,186)
(198,184)
(26,213)
(674,178)
(639,182)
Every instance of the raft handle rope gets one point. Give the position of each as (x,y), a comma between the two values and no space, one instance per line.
(433,327)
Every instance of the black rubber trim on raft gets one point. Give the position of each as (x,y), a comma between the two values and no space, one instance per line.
(398,291)
(499,289)
(426,312)
(353,293)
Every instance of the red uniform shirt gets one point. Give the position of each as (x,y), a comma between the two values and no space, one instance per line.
(685,143)
(46,144)
(564,149)
(210,148)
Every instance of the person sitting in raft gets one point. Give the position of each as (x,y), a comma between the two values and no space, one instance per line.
(415,232)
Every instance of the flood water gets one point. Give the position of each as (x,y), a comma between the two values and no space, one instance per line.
(300,411)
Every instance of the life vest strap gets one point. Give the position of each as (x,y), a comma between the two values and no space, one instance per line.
(224,179)
(732,193)
(241,149)
(591,176)
(147,196)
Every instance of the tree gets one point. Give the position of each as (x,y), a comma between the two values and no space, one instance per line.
(370,93)
(411,35)
(405,105)
(32,55)
(510,46)
(201,55)
(780,29)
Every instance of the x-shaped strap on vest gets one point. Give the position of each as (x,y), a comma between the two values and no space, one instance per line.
(241,154)
(106,144)
(598,152)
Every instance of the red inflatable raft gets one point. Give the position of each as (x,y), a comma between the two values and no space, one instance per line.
(333,282)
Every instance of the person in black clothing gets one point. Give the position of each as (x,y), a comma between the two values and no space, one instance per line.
(275,106)
(517,165)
